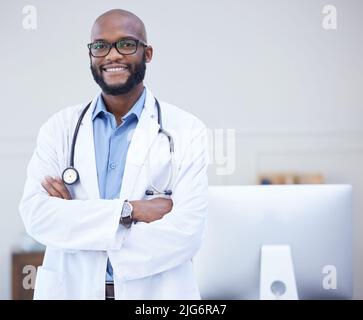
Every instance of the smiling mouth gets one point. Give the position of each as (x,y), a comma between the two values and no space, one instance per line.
(115,69)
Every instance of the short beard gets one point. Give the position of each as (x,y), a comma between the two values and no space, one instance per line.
(136,77)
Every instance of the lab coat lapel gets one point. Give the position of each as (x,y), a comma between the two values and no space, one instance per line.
(84,158)
(145,133)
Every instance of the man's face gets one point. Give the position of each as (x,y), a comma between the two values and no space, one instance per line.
(117,73)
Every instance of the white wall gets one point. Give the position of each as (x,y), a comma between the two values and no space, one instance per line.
(290,89)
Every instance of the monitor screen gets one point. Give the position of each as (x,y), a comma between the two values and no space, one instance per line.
(313,221)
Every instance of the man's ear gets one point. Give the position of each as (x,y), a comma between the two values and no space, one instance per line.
(148,53)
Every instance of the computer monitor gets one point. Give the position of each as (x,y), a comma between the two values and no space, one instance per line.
(312,224)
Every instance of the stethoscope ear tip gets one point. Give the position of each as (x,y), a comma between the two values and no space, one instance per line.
(151,193)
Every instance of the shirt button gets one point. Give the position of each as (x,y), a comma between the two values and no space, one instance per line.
(112,165)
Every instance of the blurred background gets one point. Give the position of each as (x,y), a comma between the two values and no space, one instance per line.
(279,87)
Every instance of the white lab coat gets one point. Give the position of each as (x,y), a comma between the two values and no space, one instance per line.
(150,260)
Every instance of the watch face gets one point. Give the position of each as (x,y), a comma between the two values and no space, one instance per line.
(126,210)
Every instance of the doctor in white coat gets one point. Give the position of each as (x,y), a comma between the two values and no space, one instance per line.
(148,241)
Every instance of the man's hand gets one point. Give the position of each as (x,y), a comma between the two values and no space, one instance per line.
(56,188)
(151,210)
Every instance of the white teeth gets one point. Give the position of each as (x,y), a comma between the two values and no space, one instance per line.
(115,69)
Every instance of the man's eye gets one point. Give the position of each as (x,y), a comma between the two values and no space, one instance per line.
(99,46)
(126,44)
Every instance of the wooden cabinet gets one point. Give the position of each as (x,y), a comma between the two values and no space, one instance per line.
(24,266)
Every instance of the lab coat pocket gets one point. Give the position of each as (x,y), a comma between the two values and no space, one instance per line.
(47,285)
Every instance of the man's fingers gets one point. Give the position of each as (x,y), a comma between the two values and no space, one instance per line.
(50,189)
(56,188)
(60,186)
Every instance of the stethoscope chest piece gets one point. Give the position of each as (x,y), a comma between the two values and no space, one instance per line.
(70,175)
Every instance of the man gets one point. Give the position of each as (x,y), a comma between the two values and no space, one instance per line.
(106,237)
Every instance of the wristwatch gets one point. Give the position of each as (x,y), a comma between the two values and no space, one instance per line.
(126,214)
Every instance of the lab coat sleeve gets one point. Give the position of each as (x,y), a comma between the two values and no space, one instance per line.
(59,223)
(151,248)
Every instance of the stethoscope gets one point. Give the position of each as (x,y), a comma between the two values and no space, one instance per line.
(70,175)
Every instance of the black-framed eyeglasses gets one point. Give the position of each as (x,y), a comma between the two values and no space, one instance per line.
(99,49)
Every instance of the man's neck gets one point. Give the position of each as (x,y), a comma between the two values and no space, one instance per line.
(121,104)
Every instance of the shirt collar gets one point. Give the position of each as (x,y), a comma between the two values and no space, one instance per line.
(135,110)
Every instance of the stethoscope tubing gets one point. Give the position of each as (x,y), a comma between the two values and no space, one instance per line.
(73,175)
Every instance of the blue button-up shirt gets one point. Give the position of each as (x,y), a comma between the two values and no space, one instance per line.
(111,146)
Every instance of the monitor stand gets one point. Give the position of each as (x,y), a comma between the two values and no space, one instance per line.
(277,278)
